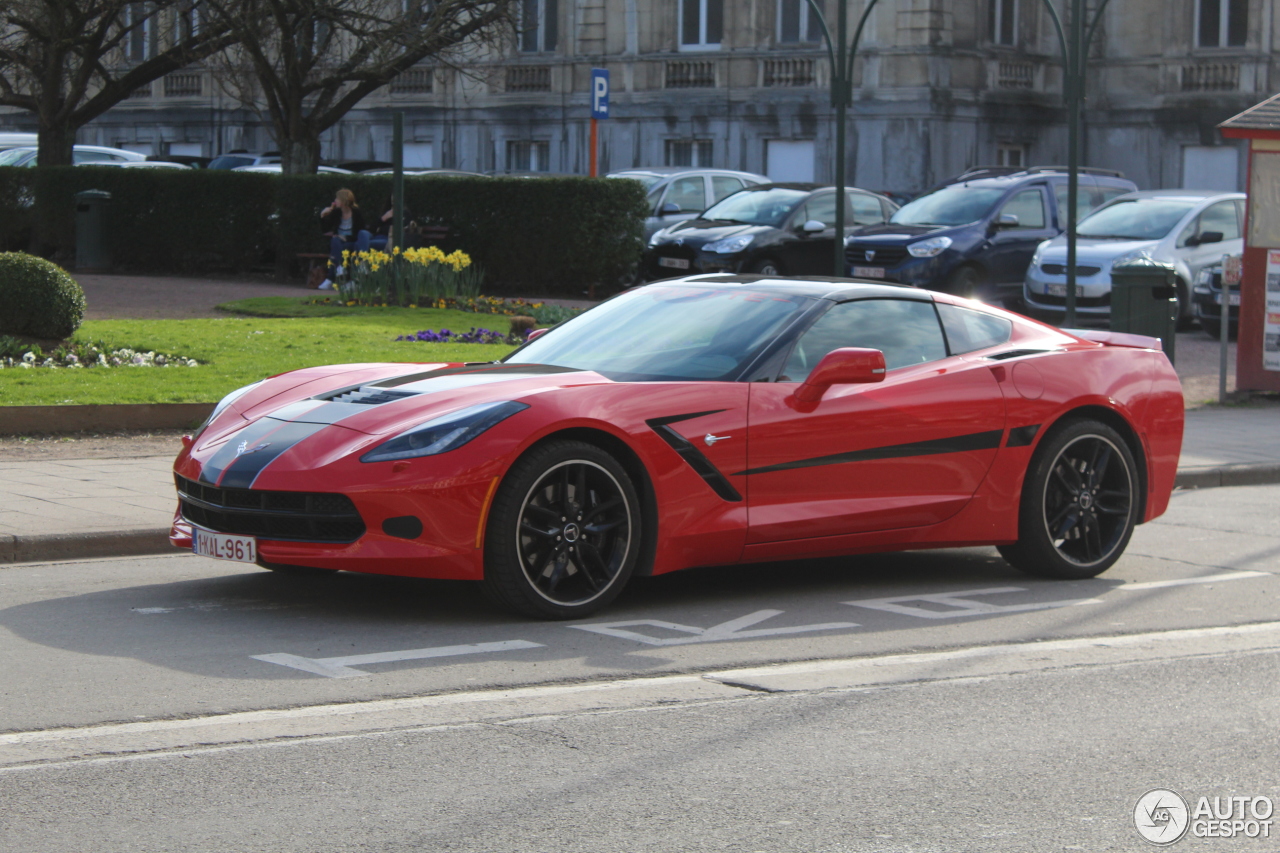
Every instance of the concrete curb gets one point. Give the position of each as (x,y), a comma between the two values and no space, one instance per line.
(22,420)
(47,547)
(42,547)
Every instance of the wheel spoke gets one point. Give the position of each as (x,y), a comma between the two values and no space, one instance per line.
(562,499)
(1057,519)
(602,527)
(1070,482)
(532,530)
(1099,468)
(1069,521)
(593,563)
(601,508)
(579,491)
(539,565)
(1106,506)
(541,513)
(1092,538)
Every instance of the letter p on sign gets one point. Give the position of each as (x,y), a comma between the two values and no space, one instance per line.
(599,93)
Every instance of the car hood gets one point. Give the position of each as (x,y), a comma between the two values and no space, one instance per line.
(1094,250)
(890,233)
(698,232)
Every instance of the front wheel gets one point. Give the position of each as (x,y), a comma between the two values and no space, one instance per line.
(766,266)
(1080,503)
(564,533)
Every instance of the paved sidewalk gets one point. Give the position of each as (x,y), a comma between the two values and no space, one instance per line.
(77,508)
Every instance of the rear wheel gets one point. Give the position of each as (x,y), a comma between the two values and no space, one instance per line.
(766,266)
(1080,503)
(564,533)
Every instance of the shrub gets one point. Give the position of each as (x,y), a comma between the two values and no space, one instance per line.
(39,299)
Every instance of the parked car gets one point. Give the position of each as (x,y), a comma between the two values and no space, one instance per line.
(975,237)
(277,168)
(1206,299)
(80,155)
(141,164)
(1191,229)
(773,229)
(236,159)
(701,421)
(427,173)
(676,193)
(11,139)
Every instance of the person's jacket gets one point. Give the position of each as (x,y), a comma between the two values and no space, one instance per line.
(331,219)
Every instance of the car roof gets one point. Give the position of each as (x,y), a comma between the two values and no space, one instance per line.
(1186,195)
(672,171)
(815,286)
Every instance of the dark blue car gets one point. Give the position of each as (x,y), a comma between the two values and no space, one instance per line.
(975,236)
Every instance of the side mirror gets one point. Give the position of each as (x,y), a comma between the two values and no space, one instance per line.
(1206,237)
(534,334)
(844,366)
(669,208)
(813,226)
(1007,220)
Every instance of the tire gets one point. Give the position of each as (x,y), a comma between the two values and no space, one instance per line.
(297,571)
(766,266)
(1186,317)
(967,282)
(1080,503)
(564,533)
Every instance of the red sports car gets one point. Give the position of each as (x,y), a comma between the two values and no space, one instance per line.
(700,421)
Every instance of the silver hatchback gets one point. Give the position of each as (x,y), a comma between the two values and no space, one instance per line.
(677,193)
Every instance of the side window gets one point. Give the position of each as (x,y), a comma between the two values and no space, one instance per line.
(723,185)
(969,330)
(1109,193)
(1086,200)
(906,331)
(1221,217)
(1028,206)
(821,208)
(862,209)
(688,194)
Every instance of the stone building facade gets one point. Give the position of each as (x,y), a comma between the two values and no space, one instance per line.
(941,85)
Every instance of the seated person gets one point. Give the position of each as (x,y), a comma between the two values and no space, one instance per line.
(382,230)
(343,223)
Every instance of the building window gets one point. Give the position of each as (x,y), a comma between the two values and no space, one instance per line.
(701,24)
(528,156)
(797,22)
(1010,154)
(1222,23)
(189,19)
(538,25)
(1004,21)
(689,152)
(137,43)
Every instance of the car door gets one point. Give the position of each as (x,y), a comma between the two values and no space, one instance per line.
(1221,217)
(905,452)
(723,186)
(1012,246)
(805,253)
(689,194)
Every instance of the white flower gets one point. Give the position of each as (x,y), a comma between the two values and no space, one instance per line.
(29,357)
(160,359)
(191,362)
(48,362)
(71,358)
(25,364)
(102,359)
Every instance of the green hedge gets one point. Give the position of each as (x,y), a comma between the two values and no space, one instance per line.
(530,235)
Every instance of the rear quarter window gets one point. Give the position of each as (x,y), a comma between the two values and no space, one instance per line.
(968,330)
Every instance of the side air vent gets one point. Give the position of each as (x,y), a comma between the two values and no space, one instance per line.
(369,396)
(1014,353)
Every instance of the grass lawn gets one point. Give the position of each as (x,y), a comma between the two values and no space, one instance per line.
(238,350)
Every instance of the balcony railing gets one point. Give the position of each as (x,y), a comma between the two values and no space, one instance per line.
(536,78)
(788,72)
(696,74)
(183,85)
(1211,77)
(414,81)
(1011,74)
(141,92)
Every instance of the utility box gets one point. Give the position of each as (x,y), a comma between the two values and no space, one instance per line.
(1144,301)
(92,209)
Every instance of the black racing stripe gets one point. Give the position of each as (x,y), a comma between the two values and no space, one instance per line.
(532,369)
(954,444)
(253,434)
(1022,436)
(237,470)
(691,455)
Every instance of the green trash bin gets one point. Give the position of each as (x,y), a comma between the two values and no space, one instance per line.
(1144,301)
(92,210)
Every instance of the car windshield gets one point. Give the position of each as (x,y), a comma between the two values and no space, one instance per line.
(645,180)
(667,333)
(1135,219)
(230,161)
(757,207)
(14,156)
(957,205)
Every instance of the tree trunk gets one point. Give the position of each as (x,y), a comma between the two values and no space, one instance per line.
(56,140)
(53,227)
(300,155)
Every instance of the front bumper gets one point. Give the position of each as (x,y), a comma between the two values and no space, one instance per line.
(1045,292)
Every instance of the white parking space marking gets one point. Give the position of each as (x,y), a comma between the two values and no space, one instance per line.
(344,667)
(731,630)
(959,604)
(1228,576)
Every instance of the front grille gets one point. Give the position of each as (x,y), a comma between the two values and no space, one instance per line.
(882,256)
(1061,269)
(1081,301)
(309,516)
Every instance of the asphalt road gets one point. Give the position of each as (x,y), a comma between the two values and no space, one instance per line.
(901,702)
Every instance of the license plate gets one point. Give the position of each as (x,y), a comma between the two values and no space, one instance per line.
(868,272)
(1235,299)
(674,263)
(224,546)
(1056,289)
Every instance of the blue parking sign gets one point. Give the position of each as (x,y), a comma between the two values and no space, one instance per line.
(599,93)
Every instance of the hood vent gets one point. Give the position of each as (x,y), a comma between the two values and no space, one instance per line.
(369,396)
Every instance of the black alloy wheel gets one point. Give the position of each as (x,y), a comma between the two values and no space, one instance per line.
(1080,504)
(564,533)
(766,266)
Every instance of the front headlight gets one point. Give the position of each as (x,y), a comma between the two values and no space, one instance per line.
(1136,254)
(730,245)
(444,433)
(226,401)
(1039,253)
(656,238)
(929,248)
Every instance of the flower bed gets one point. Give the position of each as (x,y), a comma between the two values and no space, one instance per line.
(543,314)
(82,354)
(409,277)
(473,336)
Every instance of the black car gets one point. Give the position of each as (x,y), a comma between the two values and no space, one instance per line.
(774,229)
(975,236)
(1206,300)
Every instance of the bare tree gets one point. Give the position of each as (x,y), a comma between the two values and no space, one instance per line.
(69,61)
(312,61)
